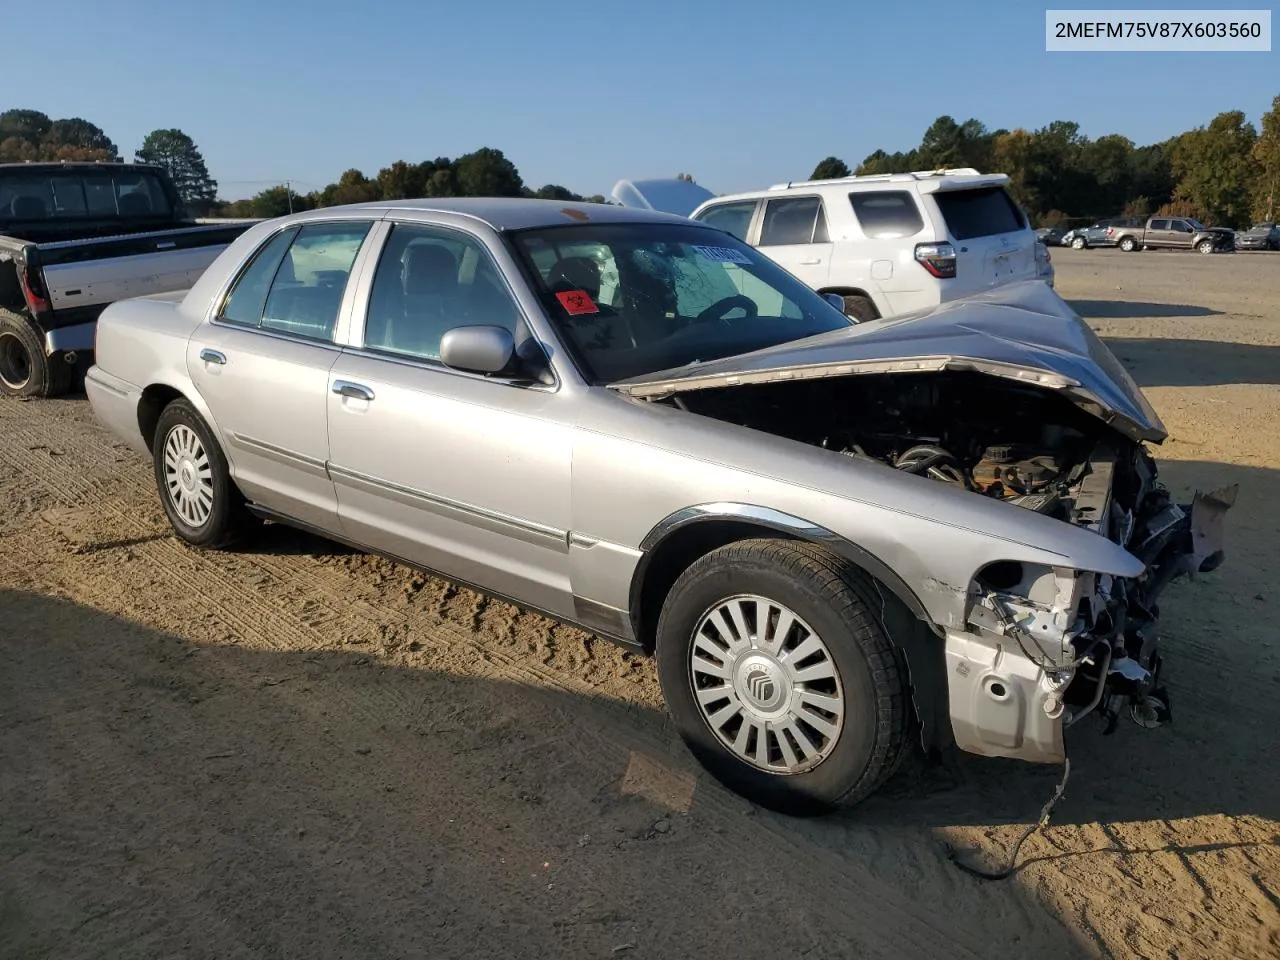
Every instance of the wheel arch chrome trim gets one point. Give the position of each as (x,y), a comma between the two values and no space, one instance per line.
(766,518)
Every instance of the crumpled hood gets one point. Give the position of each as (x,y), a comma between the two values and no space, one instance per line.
(1022,332)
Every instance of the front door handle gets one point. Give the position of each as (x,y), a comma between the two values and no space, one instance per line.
(811,261)
(355,391)
(213,356)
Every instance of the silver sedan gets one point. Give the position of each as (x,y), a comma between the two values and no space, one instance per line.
(838,539)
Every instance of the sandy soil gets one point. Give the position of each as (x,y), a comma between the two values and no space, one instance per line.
(299,751)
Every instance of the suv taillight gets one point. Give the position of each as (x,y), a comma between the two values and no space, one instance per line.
(1111,231)
(938,258)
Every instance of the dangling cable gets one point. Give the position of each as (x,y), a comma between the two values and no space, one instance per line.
(1013,851)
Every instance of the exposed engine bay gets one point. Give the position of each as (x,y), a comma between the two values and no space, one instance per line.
(1092,637)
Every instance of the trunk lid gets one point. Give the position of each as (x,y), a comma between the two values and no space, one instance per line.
(1023,332)
(680,197)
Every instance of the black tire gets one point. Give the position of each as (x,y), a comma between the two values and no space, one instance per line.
(228,521)
(841,604)
(25,369)
(860,308)
(1128,244)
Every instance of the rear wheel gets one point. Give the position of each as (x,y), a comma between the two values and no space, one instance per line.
(25,369)
(1128,244)
(860,308)
(196,489)
(1078,243)
(781,678)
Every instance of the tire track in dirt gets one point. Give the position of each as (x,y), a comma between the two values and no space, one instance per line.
(242,588)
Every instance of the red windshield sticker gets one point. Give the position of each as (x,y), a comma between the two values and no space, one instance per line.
(577,302)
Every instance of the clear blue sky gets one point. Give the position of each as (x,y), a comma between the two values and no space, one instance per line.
(583,92)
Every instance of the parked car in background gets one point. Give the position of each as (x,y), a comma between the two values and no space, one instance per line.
(1173,233)
(1261,236)
(886,244)
(1051,236)
(73,238)
(838,539)
(1095,235)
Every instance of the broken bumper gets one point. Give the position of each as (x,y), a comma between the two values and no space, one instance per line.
(1012,695)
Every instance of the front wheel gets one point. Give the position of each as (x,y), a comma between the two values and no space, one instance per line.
(196,489)
(1205,246)
(861,308)
(780,676)
(1128,244)
(1078,243)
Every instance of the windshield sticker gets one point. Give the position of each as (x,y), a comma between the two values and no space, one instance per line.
(576,302)
(723,254)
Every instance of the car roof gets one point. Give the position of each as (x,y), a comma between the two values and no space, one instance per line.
(513,213)
(78,166)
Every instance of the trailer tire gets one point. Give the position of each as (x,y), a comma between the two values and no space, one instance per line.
(25,369)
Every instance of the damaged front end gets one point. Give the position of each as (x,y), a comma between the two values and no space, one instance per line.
(1049,646)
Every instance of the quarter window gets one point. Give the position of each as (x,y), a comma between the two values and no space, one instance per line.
(734,218)
(886,214)
(793,220)
(429,281)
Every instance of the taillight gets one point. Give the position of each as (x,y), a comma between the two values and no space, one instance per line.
(938,258)
(1111,231)
(32,286)
(33,291)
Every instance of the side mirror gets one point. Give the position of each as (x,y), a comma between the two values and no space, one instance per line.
(478,349)
(835,300)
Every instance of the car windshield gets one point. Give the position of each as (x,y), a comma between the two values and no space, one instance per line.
(632,299)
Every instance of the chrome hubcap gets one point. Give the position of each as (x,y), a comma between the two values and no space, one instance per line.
(766,684)
(188,476)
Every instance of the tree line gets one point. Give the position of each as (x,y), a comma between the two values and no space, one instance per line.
(1225,173)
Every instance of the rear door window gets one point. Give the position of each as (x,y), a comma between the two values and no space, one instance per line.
(887,214)
(793,220)
(983,212)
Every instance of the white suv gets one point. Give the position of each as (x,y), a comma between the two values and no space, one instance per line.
(888,244)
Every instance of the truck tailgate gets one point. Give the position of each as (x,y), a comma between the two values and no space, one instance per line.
(100,270)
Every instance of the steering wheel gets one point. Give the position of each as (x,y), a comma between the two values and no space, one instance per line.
(722,306)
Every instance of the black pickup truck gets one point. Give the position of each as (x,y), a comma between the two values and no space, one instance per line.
(75,237)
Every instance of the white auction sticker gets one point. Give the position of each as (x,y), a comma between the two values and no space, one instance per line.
(1152,31)
(723,254)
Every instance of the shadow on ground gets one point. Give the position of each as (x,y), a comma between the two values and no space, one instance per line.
(1122,309)
(1196,363)
(168,798)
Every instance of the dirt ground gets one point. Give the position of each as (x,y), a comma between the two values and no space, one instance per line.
(299,751)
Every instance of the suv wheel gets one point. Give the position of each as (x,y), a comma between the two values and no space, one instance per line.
(1078,243)
(1128,244)
(860,308)
(1205,246)
(781,678)
(196,490)
(25,369)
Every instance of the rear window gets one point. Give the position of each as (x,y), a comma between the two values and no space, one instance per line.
(984,212)
(887,214)
(67,195)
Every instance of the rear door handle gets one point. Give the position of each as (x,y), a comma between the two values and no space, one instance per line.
(355,391)
(213,356)
(811,261)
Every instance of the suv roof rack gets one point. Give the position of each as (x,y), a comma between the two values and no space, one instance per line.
(886,177)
